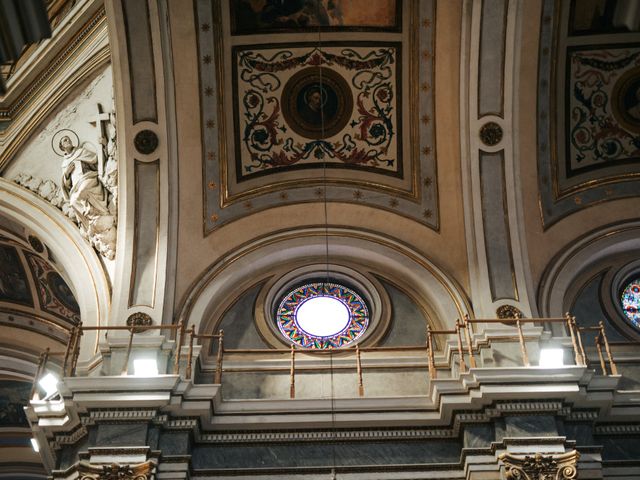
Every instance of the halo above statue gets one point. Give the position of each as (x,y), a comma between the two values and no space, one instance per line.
(65,132)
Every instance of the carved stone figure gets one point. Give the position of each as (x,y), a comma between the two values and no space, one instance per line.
(88,190)
(88,197)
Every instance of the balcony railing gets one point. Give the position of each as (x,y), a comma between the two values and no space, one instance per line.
(463,351)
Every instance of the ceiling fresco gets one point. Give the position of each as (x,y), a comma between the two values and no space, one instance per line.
(289,116)
(31,287)
(588,113)
(269,16)
(14,396)
(290,113)
(603,109)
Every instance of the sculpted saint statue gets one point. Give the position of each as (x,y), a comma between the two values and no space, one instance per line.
(88,198)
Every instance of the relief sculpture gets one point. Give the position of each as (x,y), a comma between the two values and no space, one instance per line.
(88,184)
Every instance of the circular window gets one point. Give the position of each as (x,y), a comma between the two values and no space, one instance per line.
(630,300)
(322,315)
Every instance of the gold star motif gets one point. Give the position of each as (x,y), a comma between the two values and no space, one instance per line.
(212,185)
(425,119)
(248,205)
(393,203)
(205,27)
(357,194)
(425,87)
(210,156)
(214,218)
(210,124)
(578,200)
(208,91)
(608,192)
(428,182)
(319,192)
(206,59)
(427,213)
(426,23)
(284,195)
(426,55)
(426,150)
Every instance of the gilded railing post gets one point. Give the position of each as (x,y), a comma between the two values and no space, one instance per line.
(614,369)
(36,378)
(125,365)
(463,365)
(467,334)
(359,370)
(218,378)
(178,349)
(76,350)
(292,373)
(579,339)
(579,360)
(68,350)
(599,350)
(190,354)
(523,345)
(432,362)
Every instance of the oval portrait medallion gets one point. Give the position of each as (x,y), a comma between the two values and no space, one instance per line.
(626,100)
(317,103)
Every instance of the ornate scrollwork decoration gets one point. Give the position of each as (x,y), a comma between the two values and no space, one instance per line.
(139,319)
(115,471)
(508,311)
(491,134)
(541,467)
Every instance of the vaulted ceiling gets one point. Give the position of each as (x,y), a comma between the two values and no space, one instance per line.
(466,152)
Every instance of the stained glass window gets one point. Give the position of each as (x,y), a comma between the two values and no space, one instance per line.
(322,315)
(631,302)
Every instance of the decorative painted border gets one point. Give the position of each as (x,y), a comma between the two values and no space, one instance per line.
(383,58)
(286,316)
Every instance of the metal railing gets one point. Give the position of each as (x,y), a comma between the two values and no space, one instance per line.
(460,341)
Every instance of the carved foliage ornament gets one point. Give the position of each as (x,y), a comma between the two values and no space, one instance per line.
(540,467)
(115,471)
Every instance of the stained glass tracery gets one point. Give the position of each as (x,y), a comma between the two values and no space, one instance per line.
(345,333)
(631,302)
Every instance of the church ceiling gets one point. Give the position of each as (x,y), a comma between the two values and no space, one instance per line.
(588,111)
(33,294)
(317,106)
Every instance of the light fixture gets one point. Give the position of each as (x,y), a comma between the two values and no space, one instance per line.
(35,445)
(49,384)
(551,357)
(145,367)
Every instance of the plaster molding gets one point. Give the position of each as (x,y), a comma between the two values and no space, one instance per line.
(85,56)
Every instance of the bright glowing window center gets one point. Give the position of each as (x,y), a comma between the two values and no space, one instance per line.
(322,316)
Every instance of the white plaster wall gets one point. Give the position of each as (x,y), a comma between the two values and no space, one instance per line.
(36,157)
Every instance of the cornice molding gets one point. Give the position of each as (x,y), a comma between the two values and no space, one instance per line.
(85,55)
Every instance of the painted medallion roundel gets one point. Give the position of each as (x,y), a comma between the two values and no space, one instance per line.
(317,102)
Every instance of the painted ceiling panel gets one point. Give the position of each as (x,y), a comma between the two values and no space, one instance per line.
(588,111)
(293,112)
